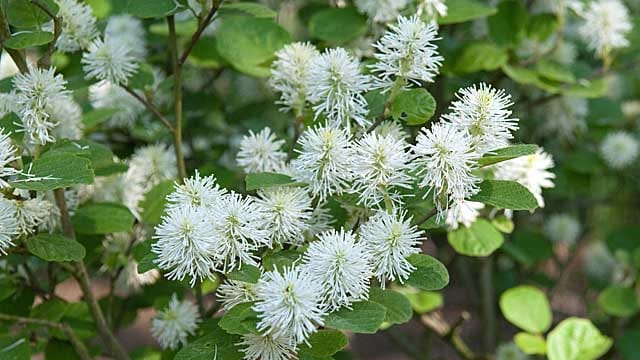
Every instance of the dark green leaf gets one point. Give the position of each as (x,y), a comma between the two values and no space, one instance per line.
(253,9)
(508,26)
(27,39)
(505,194)
(464,10)
(478,56)
(507,153)
(23,14)
(151,8)
(619,301)
(555,71)
(324,343)
(241,319)
(280,259)
(256,181)
(215,342)
(542,26)
(415,106)
(398,307)
(430,274)
(53,247)
(248,273)
(96,117)
(102,218)
(480,239)
(154,202)
(18,350)
(337,25)
(55,170)
(364,317)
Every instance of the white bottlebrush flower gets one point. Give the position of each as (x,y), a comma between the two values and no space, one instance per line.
(619,149)
(320,221)
(171,326)
(530,171)
(109,60)
(129,31)
(606,25)
(234,292)
(288,304)
(445,159)
(185,244)
(8,68)
(483,112)
(261,152)
(105,95)
(196,191)
(131,280)
(391,128)
(68,114)
(31,213)
(463,212)
(289,74)
(431,9)
(8,104)
(237,224)
(600,264)
(285,213)
(562,228)
(336,87)
(8,154)
(78,25)
(389,240)
(380,165)
(37,92)
(564,117)
(9,228)
(406,52)
(267,347)
(341,264)
(325,161)
(381,10)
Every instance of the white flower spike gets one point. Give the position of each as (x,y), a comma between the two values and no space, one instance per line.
(173,325)
(261,152)
(109,60)
(8,154)
(196,191)
(381,11)
(530,171)
(619,149)
(8,225)
(606,25)
(285,214)
(267,347)
(290,72)
(78,25)
(234,292)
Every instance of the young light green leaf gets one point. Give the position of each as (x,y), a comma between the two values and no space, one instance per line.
(415,106)
(555,71)
(53,247)
(465,10)
(576,339)
(478,56)
(619,301)
(256,181)
(480,239)
(423,302)
(364,317)
(504,194)
(398,307)
(430,274)
(102,218)
(323,343)
(527,308)
(337,25)
(507,153)
(531,344)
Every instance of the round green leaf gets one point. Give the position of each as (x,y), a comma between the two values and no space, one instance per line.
(364,317)
(324,343)
(415,106)
(102,218)
(397,305)
(618,301)
(527,308)
(337,25)
(465,10)
(478,56)
(531,344)
(430,274)
(576,339)
(504,194)
(480,239)
(26,39)
(52,247)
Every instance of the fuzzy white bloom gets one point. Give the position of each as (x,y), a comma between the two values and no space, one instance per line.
(132,280)
(37,92)
(196,191)
(341,264)
(600,264)
(285,213)
(128,31)
(563,228)
(406,53)
(564,117)
(391,128)
(68,114)
(288,304)
(619,149)
(463,212)
(431,9)
(289,74)
(8,104)
(8,154)
(320,221)
(237,223)
(8,225)
(78,25)
(325,161)
(445,158)
(234,292)
(606,25)
(31,213)
(110,96)
(389,240)
(380,164)
(185,244)
(267,347)
(336,87)
(530,171)
(483,112)
(109,60)
(381,10)
(171,326)
(261,152)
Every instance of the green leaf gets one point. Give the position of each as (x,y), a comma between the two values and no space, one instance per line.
(625,238)
(542,26)
(337,25)
(53,247)
(521,75)
(27,39)
(23,14)
(216,343)
(147,262)
(55,170)
(205,54)
(478,56)
(480,239)
(100,155)
(142,78)
(256,181)
(375,102)
(587,89)
(249,43)
(508,26)
(627,344)
(555,71)
(364,317)
(576,339)
(398,307)
(102,218)
(7,287)
(528,247)
(241,319)
(151,8)
(527,308)
(154,202)
(507,153)
(95,117)
(430,274)
(253,9)
(415,106)
(503,224)
(464,10)
(423,302)
(531,344)
(618,301)
(18,350)
(504,194)
(248,273)
(52,310)
(324,343)
(280,259)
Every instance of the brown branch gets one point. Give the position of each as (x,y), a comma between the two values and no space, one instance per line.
(177,94)
(45,60)
(201,27)
(426,217)
(150,107)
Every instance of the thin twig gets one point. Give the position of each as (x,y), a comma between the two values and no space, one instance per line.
(201,27)
(45,60)
(451,333)
(149,106)
(177,95)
